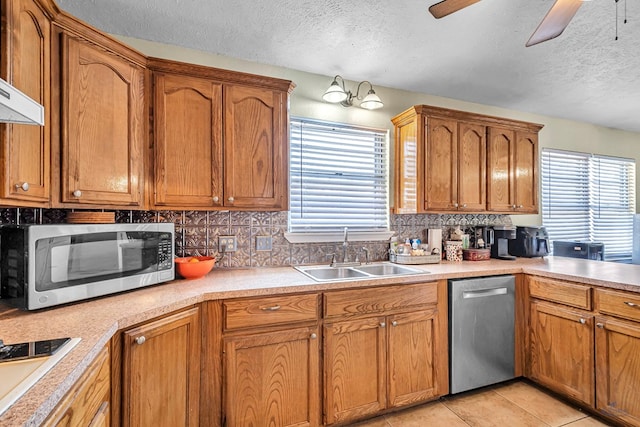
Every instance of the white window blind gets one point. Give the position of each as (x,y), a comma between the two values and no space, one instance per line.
(589,197)
(338,177)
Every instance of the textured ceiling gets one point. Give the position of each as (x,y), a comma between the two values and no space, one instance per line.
(477,54)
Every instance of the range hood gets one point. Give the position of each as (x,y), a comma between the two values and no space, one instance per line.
(16,107)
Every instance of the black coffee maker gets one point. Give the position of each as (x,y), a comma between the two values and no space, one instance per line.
(481,238)
(502,234)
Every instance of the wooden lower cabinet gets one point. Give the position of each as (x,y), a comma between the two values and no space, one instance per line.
(562,350)
(355,369)
(272,378)
(88,401)
(161,372)
(618,369)
(383,360)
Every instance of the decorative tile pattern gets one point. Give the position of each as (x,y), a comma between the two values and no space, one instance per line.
(197,233)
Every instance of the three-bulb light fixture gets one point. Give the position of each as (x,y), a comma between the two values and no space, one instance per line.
(338,94)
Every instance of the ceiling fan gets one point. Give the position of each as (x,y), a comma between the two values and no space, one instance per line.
(553,24)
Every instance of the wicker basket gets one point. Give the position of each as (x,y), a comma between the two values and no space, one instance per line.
(414,259)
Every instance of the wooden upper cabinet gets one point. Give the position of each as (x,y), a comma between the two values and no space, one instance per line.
(25,62)
(512,163)
(526,172)
(500,159)
(103,126)
(471,163)
(188,141)
(256,148)
(221,138)
(409,176)
(451,161)
(455,166)
(441,192)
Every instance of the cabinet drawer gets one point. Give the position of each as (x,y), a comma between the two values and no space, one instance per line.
(559,291)
(621,304)
(87,397)
(376,300)
(270,311)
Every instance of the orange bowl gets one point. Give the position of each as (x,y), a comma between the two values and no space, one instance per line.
(189,268)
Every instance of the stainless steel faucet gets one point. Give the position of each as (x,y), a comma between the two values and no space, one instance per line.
(345,246)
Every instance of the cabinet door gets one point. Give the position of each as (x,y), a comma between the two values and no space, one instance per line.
(103,126)
(500,158)
(414,359)
(161,372)
(354,369)
(618,369)
(525,172)
(256,148)
(273,379)
(561,350)
(188,141)
(87,403)
(441,170)
(406,170)
(26,40)
(472,169)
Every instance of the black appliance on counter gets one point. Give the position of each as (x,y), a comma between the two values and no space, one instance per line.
(531,241)
(502,234)
(577,249)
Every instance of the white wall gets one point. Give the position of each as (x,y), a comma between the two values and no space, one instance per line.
(306,102)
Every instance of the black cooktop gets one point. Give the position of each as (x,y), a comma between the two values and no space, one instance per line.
(30,350)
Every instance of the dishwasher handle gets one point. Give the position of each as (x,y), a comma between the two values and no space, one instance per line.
(484,293)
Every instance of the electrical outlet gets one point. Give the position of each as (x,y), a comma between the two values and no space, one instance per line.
(227,243)
(263,243)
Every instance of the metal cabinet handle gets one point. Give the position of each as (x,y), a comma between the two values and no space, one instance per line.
(140,340)
(24,186)
(464,205)
(383,325)
(231,199)
(600,325)
(215,199)
(513,206)
(272,308)
(631,304)
(582,321)
(520,206)
(394,323)
(313,336)
(77,193)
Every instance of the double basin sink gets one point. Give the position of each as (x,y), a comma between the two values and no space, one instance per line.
(366,271)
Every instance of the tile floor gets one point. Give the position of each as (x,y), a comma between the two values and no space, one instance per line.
(514,404)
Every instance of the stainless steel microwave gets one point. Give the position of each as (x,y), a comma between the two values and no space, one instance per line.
(46,265)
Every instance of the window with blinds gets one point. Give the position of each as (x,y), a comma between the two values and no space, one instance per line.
(589,197)
(338,177)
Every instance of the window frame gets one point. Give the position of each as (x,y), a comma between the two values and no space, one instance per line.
(303,236)
(591,197)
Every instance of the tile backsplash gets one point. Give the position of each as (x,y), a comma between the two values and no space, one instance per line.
(197,232)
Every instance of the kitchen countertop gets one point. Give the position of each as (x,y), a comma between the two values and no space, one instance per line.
(96,321)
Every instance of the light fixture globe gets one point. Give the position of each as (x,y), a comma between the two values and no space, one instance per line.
(335,93)
(371,101)
(338,94)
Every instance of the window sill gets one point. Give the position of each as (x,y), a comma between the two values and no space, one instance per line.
(354,236)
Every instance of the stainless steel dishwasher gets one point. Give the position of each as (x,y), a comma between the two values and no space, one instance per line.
(481,331)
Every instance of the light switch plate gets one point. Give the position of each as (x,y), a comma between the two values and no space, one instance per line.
(263,243)
(227,243)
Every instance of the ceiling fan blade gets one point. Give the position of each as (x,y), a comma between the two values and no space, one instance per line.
(447,7)
(555,21)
